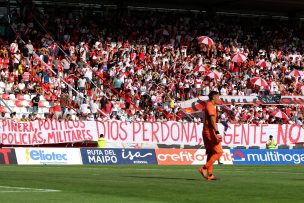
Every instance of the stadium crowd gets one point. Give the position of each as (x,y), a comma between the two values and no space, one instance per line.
(140,66)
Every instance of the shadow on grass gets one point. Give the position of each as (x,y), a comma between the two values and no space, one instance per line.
(163,178)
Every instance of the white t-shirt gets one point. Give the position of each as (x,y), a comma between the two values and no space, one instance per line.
(88,73)
(94,107)
(66,64)
(82,82)
(223,91)
(84,108)
(30,48)
(8,87)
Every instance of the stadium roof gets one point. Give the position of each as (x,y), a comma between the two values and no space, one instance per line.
(272,7)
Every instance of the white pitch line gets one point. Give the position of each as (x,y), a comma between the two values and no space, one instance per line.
(26,189)
(11,191)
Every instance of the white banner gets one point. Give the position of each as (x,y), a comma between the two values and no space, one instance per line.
(257,135)
(140,134)
(191,133)
(48,156)
(47,132)
(152,132)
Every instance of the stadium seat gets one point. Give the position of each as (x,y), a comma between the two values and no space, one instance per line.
(2,85)
(45,110)
(42,98)
(5,97)
(41,104)
(19,103)
(283,146)
(23,110)
(2,109)
(41,116)
(12,97)
(7,115)
(10,103)
(26,103)
(27,97)
(40,111)
(16,110)
(47,104)
(20,97)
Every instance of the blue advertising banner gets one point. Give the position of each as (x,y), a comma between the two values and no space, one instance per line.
(260,156)
(118,156)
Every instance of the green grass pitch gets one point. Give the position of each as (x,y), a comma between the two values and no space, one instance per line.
(150,183)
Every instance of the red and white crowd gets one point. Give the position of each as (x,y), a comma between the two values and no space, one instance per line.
(141,66)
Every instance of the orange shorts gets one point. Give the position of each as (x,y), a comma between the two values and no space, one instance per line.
(211,144)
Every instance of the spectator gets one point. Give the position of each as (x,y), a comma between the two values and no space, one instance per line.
(24,118)
(271,143)
(223,120)
(84,108)
(81,84)
(94,108)
(35,102)
(101,141)
(57,109)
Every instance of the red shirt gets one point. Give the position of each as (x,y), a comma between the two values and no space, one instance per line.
(108,108)
(90,93)
(288,112)
(128,98)
(57,107)
(142,56)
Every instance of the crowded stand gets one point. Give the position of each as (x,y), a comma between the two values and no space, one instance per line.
(142,66)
